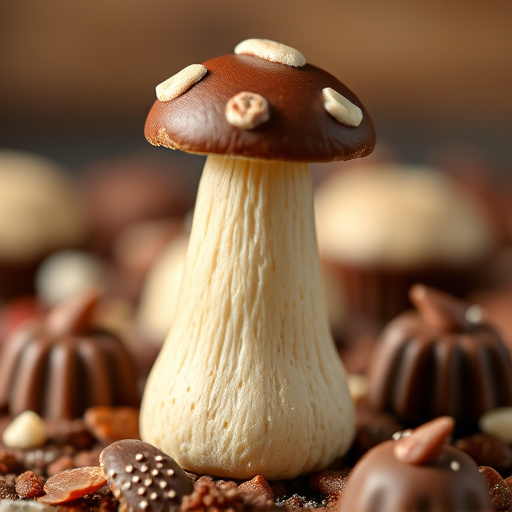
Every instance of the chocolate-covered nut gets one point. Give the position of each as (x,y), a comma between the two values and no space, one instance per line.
(144,478)
(440,360)
(449,483)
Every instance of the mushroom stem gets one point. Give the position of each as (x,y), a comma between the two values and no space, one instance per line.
(249,381)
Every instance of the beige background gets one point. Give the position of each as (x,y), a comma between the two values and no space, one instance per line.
(79,75)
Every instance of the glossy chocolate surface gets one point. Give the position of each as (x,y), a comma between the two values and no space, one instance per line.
(382,483)
(299,129)
(61,365)
(434,362)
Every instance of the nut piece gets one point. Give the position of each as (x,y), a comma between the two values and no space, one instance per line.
(109,424)
(247,110)
(72,484)
(26,431)
(497,422)
(271,51)
(181,82)
(342,109)
(425,442)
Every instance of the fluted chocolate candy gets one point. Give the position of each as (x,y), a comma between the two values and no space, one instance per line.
(60,365)
(440,360)
(144,478)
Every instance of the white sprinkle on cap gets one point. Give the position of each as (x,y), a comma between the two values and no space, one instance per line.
(342,109)
(271,51)
(180,83)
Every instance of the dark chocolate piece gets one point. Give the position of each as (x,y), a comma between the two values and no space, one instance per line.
(61,365)
(144,478)
(299,128)
(440,361)
(381,482)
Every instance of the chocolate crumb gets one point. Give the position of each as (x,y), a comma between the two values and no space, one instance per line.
(207,497)
(29,485)
(329,483)
(499,490)
(8,487)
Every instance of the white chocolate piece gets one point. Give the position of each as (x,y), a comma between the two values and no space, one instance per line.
(342,109)
(159,296)
(498,423)
(399,216)
(271,51)
(39,210)
(68,273)
(249,381)
(181,82)
(26,431)
(247,110)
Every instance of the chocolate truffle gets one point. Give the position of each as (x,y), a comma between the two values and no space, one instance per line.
(441,479)
(440,359)
(61,365)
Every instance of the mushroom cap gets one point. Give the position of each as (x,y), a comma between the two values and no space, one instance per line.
(299,127)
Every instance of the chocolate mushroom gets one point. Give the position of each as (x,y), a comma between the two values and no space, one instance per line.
(248,381)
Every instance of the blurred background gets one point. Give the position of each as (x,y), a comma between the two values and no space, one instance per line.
(77,78)
(105,209)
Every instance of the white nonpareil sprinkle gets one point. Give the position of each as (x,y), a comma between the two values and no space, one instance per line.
(454,465)
(271,51)
(342,109)
(180,83)
(401,433)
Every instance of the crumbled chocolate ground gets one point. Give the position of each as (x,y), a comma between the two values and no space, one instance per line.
(72,445)
(8,487)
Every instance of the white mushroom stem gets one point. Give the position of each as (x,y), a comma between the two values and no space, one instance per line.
(249,381)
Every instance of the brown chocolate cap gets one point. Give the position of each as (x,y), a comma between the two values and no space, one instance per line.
(283,113)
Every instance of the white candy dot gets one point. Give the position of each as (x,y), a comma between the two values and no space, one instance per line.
(342,109)
(271,51)
(180,83)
